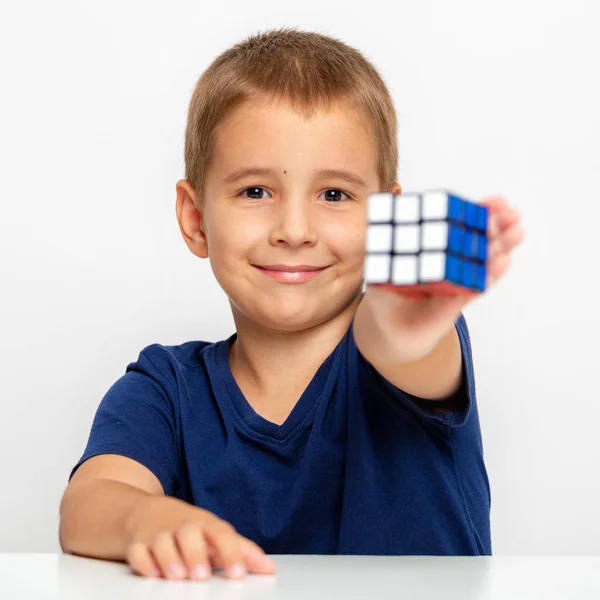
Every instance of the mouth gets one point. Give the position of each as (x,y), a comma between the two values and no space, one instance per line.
(291,273)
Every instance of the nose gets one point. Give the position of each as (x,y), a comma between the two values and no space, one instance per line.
(294,223)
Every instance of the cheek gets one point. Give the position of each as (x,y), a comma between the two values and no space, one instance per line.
(347,240)
(348,235)
(235,238)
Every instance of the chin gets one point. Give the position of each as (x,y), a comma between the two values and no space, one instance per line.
(292,317)
(292,320)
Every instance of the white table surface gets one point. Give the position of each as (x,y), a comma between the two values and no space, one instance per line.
(41,576)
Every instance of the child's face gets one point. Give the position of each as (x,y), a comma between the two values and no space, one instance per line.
(291,216)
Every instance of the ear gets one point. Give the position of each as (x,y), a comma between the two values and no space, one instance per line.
(396,189)
(190,218)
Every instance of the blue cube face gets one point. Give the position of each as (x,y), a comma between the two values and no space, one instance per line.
(471,216)
(457,209)
(470,245)
(481,276)
(456,241)
(482,245)
(434,236)
(469,274)
(482,219)
(454,271)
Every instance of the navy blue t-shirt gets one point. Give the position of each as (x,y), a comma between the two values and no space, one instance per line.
(358,467)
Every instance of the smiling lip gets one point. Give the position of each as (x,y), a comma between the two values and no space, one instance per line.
(290,268)
(290,273)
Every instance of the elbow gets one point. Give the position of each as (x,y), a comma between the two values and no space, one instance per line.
(64,529)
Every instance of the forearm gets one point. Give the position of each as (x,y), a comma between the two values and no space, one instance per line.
(435,376)
(95,518)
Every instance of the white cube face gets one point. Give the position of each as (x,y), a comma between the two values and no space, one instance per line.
(406,238)
(377,268)
(407,208)
(435,205)
(435,235)
(380,206)
(404,270)
(432,266)
(379,238)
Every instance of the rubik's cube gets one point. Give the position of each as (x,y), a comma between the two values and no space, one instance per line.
(432,243)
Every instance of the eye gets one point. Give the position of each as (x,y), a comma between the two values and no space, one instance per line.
(254,189)
(335,200)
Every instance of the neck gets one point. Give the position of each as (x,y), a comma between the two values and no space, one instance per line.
(269,360)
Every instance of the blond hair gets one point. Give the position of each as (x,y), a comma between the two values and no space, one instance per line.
(309,70)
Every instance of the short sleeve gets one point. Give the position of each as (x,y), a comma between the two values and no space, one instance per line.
(137,419)
(464,398)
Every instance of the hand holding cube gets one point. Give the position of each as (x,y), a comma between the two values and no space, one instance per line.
(427,256)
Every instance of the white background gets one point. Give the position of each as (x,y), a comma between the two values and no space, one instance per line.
(492,97)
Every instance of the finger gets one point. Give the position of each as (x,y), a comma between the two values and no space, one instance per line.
(498,204)
(494,202)
(506,241)
(141,561)
(496,269)
(167,556)
(512,237)
(225,542)
(500,214)
(500,221)
(190,541)
(256,559)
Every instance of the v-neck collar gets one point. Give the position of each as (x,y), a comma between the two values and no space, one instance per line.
(303,411)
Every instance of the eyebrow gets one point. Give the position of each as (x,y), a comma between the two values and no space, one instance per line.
(322,174)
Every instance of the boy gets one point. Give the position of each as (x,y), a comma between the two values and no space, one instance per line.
(332,421)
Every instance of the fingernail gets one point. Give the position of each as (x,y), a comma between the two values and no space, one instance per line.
(236,571)
(177,570)
(200,572)
(153,572)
